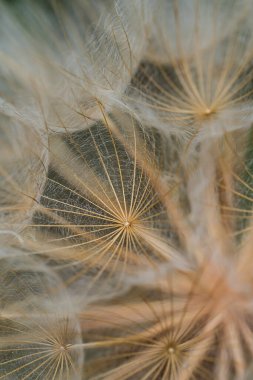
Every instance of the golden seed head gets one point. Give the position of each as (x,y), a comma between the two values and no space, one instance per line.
(208,111)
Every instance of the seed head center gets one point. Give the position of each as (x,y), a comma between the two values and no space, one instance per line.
(205,112)
(126,223)
(208,111)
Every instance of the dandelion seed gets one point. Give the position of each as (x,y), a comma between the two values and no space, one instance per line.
(195,328)
(71,64)
(152,338)
(106,213)
(36,334)
(145,191)
(201,88)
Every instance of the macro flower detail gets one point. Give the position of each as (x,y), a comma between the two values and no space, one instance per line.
(126,190)
(199,81)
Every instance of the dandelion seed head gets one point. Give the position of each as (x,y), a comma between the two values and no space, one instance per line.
(126,190)
(107,208)
(37,334)
(209,75)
